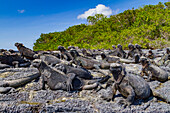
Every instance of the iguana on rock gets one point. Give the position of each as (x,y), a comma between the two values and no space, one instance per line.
(14,60)
(118,52)
(80,72)
(150,54)
(165,59)
(114,47)
(109,59)
(89,54)
(139,50)
(130,86)
(5,86)
(50,59)
(26,52)
(88,63)
(133,53)
(64,53)
(57,80)
(153,71)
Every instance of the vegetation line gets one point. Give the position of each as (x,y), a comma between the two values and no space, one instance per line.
(148,26)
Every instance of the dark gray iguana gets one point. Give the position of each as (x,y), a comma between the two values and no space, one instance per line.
(89,54)
(26,52)
(6,86)
(130,86)
(134,53)
(50,59)
(109,59)
(53,78)
(150,54)
(57,80)
(64,53)
(88,63)
(118,52)
(153,71)
(80,72)
(14,60)
(165,59)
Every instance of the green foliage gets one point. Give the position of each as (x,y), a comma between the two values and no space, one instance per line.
(148,26)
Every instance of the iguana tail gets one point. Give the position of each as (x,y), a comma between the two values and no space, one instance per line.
(20,82)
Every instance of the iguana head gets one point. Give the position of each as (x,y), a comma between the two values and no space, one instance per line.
(117,71)
(71,47)
(137,46)
(36,63)
(18,44)
(130,46)
(114,47)
(115,68)
(61,67)
(119,46)
(144,61)
(150,51)
(61,49)
(74,53)
(84,51)
(103,55)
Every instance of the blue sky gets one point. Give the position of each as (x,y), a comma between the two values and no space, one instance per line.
(24,20)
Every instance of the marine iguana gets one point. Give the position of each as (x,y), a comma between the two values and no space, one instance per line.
(138,49)
(114,47)
(14,60)
(56,54)
(2,50)
(121,52)
(56,79)
(165,59)
(26,52)
(153,71)
(6,86)
(50,59)
(64,53)
(84,51)
(88,81)
(80,72)
(150,54)
(88,63)
(133,53)
(130,86)
(118,52)
(109,59)
(71,47)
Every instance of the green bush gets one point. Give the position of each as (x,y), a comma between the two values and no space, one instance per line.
(148,26)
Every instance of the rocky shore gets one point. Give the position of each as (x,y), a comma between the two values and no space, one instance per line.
(31,98)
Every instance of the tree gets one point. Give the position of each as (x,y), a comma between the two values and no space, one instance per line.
(167,4)
(91,20)
(94,19)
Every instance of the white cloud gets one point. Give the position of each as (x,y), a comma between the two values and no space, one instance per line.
(116,11)
(21,11)
(100,9)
